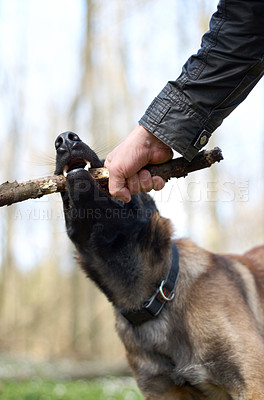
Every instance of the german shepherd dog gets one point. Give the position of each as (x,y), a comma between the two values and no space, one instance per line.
(192,322)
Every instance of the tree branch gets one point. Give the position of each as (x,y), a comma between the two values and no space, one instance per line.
(14,192)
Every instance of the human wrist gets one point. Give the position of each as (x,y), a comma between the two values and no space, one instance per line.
(148,139)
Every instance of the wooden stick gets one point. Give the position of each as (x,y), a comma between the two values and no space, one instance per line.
(14,192)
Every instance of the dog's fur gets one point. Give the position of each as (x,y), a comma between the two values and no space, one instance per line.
(208,342)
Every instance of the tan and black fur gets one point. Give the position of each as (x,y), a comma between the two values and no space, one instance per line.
(208,343)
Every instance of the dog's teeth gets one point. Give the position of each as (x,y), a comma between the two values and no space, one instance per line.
(65,170)
(87,166)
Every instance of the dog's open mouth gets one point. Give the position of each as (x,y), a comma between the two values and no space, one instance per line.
(76,163)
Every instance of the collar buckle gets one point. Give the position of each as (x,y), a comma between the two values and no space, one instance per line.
(165,294)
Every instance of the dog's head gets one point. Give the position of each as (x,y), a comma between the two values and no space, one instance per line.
(88,207)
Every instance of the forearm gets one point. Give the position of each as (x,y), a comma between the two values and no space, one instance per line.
(214,81)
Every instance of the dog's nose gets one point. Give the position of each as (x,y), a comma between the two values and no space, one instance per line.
(65,140)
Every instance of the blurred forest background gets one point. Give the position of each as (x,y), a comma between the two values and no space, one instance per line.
(93,67)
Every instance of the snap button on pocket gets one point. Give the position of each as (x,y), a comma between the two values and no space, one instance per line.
(202,139)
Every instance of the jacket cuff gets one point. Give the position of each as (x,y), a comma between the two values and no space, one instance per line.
(171,119)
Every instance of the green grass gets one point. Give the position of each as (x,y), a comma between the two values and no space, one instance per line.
(38,389)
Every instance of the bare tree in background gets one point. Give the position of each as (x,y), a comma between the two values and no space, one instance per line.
(9,284)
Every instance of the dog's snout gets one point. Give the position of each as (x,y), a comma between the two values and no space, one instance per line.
(73,152)
(66,140)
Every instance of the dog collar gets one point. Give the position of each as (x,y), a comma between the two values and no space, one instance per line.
(165,293)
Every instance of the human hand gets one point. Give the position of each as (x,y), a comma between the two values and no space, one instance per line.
(126,161)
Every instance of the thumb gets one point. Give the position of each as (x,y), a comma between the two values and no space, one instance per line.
(117,183)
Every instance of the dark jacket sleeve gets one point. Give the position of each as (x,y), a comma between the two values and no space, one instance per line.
(214,81)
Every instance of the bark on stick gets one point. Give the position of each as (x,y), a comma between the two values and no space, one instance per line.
(14,192)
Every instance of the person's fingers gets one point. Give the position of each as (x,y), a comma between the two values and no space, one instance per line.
(122,188)
(133,184)
(158,183)
(145,180)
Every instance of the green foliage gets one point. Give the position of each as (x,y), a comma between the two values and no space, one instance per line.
(37,389)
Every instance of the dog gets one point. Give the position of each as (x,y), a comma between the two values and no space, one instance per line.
(192,322)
